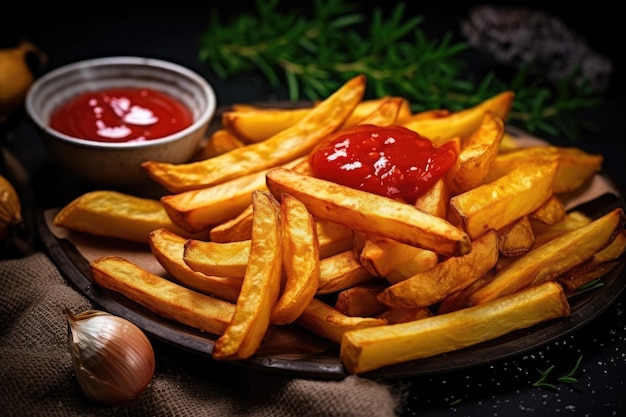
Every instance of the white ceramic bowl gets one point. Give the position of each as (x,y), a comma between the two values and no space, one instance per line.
(119,164)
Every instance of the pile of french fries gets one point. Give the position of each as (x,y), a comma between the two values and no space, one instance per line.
(251,239)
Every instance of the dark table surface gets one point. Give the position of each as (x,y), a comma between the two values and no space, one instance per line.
(501,388)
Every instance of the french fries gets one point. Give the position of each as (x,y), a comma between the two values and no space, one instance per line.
(252,242)
(283,147)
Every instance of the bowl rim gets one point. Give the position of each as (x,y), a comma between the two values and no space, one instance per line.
(201,120)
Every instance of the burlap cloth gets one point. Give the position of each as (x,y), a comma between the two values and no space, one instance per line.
(37,379)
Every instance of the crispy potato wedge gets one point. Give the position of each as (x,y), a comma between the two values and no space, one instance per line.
(118,215)
(368,349)
(281,148)
(360,301)
(517,238)
(433,285)
(497,204)
(475,157)
(370,213)
(261,283)
(461,123)
(553,258)
(386,113)
(168,249)
(576,166)
(342,271)
(162,296)
(301,261)
(326,321)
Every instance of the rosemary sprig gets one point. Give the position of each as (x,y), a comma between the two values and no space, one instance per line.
(569,378)
(314,53)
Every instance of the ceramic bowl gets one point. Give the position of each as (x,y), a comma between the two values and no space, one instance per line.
(106,164)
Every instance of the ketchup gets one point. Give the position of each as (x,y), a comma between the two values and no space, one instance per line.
(121,115)
(391,161)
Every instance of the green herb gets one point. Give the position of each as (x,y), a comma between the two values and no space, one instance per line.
(313,53)
(569,378)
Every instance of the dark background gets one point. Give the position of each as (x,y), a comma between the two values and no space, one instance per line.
(69,32)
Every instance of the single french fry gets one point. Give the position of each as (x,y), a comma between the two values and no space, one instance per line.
(168,249)
(461,123)
(326,321)
(576,167)
(342,271)
(261,283)
(386,113)
(403,315)
(301,261)
(517,238)
(475,157)
(546,232)
(237,228)
(220,142)
(117,215)
(285,146)
(393,260)
(360,301)
(552,258)
(228,259)
(368,349)
(370,213)
(433,285)
(550,212)
(162,296)
(497,204)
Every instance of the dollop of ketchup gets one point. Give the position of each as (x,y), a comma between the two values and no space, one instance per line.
(121,115)
(391,161)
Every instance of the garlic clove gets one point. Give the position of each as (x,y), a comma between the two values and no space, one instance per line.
(112,358)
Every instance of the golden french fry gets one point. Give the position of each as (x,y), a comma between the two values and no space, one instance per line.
(475,157)
(118,215)
(576,166)
(281,148)
(393,260)
(368,349)
(461,123)
(326,321)
(546,232)
(220,141)
(301,261)
(499,203)
(162,296)
(386,113)
(435,200)
(342,271)
(261,283)
(550,212)
(360,301)
(370,213)
(517,238)
(237,228)
(552,258)
(168,249)
(229,259)
(598,265)
(403,315)
(433,285)
(258,124)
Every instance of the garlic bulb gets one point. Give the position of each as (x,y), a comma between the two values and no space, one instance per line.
(112,358)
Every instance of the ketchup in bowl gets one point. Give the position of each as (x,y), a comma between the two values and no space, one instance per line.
(391,161)
(121,115)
